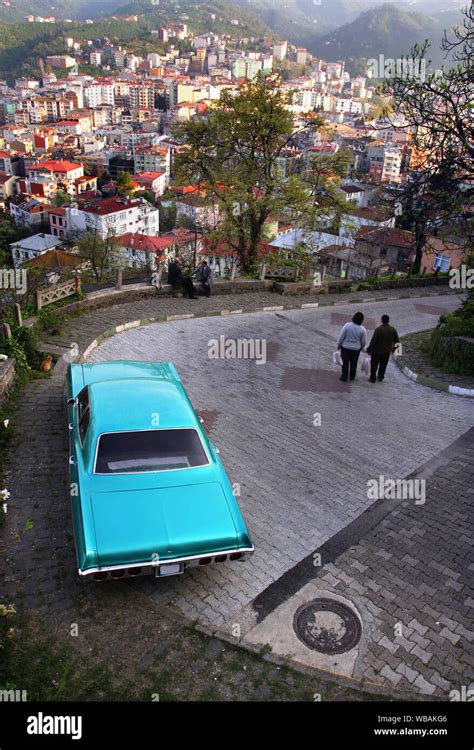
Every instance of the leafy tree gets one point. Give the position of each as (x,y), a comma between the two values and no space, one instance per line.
(148,195)
(438,109)
(167,217)
(322,177)
(124,184)
(101,252)
(61,199)
(9,233)
(234,155)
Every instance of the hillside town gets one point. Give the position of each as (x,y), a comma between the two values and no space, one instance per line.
(67,139)
(236,367)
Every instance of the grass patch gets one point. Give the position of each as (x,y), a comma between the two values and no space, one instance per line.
(60,668)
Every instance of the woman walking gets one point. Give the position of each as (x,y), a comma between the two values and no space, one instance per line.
(352,339)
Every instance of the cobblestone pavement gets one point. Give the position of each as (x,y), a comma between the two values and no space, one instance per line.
(413,572)
(408,573)
(300,484)
(92,323)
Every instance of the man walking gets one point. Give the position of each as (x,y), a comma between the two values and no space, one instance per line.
(383,343)
(351,341)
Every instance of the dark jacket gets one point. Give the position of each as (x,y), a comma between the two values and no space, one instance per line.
(383,340)
(206,275)
(175,277)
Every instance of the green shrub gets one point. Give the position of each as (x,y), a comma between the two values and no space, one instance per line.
(7,611)
(48,320)
(15,350)
(452,341)
(453,354)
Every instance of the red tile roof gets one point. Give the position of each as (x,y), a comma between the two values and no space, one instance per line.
(145,242)
(55,166)
(57,211)
(112,205)
(386,236)
(55,260)
(147,175)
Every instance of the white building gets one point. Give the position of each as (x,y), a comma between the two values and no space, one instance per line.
(280,50)
(348,105)
(98,94)
(95,58)
(113,216)
(200,210)
(301,56)
(154,59)
(33,246)
(384,163)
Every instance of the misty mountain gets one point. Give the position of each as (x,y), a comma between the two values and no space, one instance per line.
(386,30)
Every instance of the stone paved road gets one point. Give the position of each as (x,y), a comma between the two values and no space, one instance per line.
(94,322)
(300,483)
(406,568)
(414,573)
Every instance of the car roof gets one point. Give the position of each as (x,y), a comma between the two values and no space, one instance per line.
(139,404)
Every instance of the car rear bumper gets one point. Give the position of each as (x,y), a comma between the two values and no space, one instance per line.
(133,570)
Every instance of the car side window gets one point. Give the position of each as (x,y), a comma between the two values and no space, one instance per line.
(83,412)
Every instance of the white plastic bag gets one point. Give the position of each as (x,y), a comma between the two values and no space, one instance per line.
(366,366)
(337,359)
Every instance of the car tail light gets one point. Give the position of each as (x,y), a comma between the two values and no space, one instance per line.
(235,556)
(100,576)
(134,571)
(220,558)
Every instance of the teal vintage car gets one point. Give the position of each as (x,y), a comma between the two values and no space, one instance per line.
(149,493)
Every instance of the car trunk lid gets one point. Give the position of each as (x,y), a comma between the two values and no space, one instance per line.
(136,525)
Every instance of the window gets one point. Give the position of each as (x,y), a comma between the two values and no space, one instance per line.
(83,413)
(441,262)
(149,450)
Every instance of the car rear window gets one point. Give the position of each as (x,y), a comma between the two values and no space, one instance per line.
(149,450)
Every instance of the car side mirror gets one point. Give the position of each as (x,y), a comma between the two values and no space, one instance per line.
(71,401)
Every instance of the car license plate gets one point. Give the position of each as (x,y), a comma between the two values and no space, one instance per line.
(170,569)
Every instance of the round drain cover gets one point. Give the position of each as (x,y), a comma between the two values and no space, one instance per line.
(327,626)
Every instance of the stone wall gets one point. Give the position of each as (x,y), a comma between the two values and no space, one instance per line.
(7,377)
(404,283)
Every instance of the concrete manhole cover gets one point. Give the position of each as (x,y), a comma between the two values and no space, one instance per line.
(327,626)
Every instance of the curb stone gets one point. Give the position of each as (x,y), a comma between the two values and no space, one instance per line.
(437,385)
(214,313)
